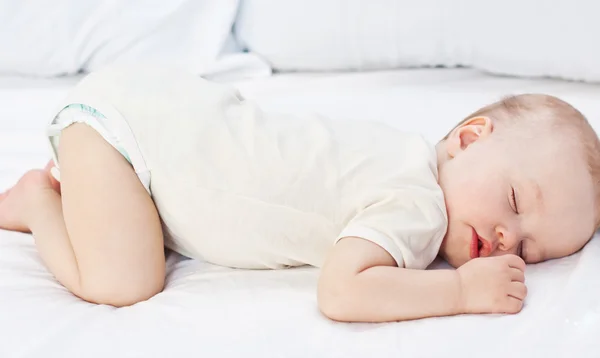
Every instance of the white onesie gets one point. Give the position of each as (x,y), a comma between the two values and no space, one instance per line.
(241,187)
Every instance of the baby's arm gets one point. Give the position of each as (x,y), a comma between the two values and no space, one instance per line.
(361,282)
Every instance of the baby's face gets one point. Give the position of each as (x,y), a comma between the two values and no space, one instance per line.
(530,197)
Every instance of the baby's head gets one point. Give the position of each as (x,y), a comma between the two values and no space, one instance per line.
(520,176)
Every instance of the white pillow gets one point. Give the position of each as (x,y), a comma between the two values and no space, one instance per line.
(515,37)
(39,37)
(558,38)
(344,34)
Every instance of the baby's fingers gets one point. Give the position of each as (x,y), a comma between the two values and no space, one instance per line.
(515,261)
(517,275)
(517,290)
(513,305)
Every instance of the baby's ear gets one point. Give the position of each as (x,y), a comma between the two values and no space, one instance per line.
(467,133)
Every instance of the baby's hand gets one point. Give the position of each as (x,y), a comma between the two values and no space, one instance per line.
(492,285)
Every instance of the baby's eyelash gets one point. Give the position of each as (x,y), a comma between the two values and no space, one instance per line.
(514,200)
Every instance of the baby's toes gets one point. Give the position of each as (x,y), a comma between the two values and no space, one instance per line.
(50,171)
(49,165)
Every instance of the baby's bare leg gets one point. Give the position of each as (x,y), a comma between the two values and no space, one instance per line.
(103,240)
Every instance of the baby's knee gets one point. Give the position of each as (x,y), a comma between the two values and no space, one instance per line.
(121,294)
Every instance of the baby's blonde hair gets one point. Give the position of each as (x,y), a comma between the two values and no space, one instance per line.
(535,109)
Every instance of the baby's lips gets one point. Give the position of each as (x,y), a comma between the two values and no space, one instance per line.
(486,248)
(474,244)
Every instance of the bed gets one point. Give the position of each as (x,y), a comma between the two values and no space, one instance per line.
(211,311)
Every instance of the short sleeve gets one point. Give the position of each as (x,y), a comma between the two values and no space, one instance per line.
(409,224)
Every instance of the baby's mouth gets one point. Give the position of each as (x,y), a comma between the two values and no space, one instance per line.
(478,245)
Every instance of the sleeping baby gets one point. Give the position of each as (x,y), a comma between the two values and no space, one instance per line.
(145,158)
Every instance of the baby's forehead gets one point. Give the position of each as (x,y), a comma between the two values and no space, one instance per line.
(554,148)
(564,194)
(565,231)
(558,211)
(556,171)
(562,171)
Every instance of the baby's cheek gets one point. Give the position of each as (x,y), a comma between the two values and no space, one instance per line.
(473,199)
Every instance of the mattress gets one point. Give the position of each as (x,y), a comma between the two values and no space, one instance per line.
(212,311)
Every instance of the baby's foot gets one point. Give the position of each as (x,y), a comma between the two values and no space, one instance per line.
(14,203)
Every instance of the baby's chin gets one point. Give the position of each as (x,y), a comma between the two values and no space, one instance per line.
(446,254)
(452,262)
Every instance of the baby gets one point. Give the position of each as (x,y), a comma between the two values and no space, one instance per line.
(147,158)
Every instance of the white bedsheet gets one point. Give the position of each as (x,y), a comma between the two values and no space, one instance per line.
(209,311)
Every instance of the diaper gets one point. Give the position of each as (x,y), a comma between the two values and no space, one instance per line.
(117,134)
